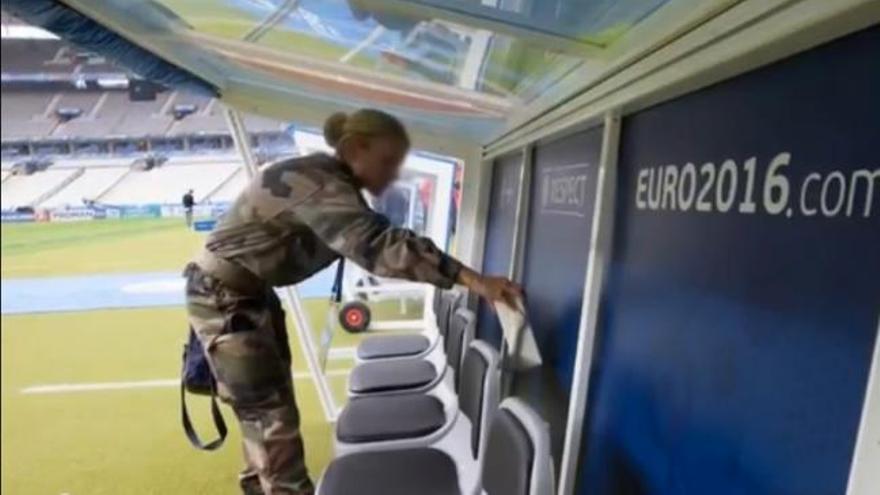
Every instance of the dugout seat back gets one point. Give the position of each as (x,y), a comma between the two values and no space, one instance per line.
(517,457)
(444,466)
(480,391)
(437,301)
(450,302)
(462,327)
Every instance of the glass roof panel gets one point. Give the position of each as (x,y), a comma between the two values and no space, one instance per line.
(509,49)
(460,68)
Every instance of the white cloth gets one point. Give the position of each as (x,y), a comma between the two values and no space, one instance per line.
(518,334)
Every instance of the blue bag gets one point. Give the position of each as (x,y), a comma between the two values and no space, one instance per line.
(197,378)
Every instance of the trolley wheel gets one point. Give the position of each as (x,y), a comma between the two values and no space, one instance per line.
(355,317)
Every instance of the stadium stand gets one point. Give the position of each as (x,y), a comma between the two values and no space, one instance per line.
(141,118)
(85,101)
(115,115)
(208,119)
(30,114)
(167,183)
(229,189)
(74,110)
(255,123)
(50,58)
(99,175)
(28,56)
(28,190)
(23,114)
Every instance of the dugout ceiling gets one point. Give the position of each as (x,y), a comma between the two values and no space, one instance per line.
(463,70)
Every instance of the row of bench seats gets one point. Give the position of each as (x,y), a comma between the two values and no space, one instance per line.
(424,418)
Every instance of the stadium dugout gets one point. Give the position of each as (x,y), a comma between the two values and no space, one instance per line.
(688,192)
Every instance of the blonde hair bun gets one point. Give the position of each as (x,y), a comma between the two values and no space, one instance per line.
(334,128)
(366,122)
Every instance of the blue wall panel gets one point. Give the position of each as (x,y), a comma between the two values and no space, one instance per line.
(743,298)
(499,235)
(557,244)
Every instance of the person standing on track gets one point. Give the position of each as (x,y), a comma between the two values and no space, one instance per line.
(296,217)
(188,202)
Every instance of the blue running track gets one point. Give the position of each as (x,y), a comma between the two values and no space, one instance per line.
(83,293)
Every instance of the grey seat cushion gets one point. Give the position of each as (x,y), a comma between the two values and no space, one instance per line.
(394,472)
(392,346)
(386,376)
(374,419)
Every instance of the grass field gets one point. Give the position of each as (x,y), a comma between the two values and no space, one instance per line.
(127,440)
(75,248)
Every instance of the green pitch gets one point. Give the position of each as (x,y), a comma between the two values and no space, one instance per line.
(77,248)
(128,440)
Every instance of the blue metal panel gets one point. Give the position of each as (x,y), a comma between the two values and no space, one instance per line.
(737,325)
(557,245)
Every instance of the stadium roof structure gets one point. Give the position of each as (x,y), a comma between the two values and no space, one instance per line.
(464,70)
(473,73)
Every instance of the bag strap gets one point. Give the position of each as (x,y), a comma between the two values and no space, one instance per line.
(336,291)
(190,431)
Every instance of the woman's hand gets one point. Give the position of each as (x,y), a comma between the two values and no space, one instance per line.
(491,288)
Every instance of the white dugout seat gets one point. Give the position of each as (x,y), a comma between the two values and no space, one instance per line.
(461,442)
(389,364)
(413,418)
(513,458)
(381,347)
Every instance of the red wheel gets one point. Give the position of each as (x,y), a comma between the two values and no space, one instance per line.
(355,317)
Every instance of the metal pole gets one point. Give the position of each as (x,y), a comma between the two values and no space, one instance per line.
(310,350)
(242,140)
(521,221)
(301,321)
(864,478)
(371,38)
(599,256)
(517,254)
(280,13)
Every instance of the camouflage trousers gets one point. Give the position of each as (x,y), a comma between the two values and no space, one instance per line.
(245,339)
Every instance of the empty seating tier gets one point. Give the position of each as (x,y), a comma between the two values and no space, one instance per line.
(25,190)
(23,114)
(230,189)
(167,184)
(88,186)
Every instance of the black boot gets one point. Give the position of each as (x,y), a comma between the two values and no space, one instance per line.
(250,485)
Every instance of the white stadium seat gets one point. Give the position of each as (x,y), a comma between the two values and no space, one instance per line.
(90,185)
(25,190)
(167,184)
(229,190)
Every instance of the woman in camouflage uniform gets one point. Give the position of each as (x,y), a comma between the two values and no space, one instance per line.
(294,219)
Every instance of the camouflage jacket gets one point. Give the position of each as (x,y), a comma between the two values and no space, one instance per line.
(299,215)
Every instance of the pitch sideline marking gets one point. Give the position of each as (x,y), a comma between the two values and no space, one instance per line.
(61,388)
